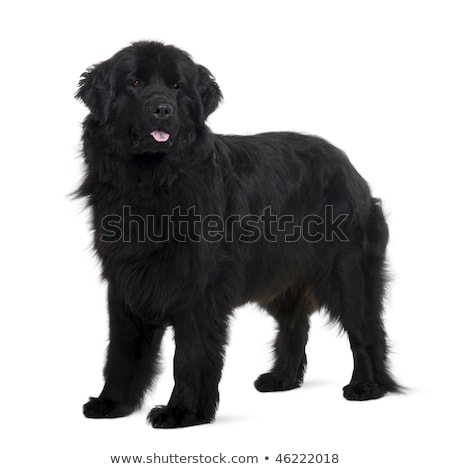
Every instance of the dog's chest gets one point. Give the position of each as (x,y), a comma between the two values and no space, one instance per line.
(142,216)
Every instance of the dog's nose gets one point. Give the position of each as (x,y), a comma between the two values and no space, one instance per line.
(161,111)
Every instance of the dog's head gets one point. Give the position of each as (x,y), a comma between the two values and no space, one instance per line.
(149,97)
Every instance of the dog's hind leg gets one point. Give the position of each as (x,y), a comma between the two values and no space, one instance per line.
(291,310)
(357,291)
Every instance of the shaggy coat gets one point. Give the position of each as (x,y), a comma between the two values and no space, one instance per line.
(188,225)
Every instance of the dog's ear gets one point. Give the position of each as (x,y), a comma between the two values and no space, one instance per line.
(209,90)
(96,89)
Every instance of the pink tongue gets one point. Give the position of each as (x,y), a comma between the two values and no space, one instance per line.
(160,135)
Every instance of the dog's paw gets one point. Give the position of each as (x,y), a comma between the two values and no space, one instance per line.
(363,391)
(98,408)
(173,417)
(269,382)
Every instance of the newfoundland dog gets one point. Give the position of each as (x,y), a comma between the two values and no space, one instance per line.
(188,225)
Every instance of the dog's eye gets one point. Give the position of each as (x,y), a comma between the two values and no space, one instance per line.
(136,83)
(175,85)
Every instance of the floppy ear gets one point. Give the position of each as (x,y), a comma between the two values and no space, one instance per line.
(96,89)
(209,90)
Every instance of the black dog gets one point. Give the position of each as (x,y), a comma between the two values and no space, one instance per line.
(189,225)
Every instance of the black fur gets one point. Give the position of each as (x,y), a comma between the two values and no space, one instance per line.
(193,279)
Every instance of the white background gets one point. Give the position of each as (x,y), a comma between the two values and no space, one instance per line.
(373,78)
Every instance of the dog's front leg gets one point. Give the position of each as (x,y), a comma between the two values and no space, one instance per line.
(131,362)
(200,340)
